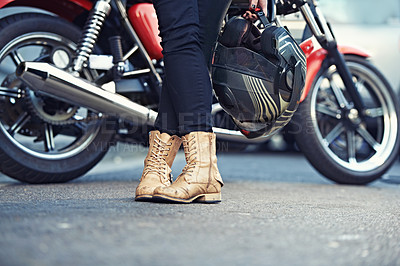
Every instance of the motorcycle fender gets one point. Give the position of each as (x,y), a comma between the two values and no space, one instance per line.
(67,9)
(144,20)
(315,59)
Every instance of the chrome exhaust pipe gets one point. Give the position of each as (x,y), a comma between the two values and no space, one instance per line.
(45,78)
(236,136)
(233,135)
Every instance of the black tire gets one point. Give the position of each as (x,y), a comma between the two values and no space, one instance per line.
(27,161)
(339,145)
(398,99)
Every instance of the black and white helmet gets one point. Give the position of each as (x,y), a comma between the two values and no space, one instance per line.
(257,77)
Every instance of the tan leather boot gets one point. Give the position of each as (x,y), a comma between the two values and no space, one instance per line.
(157,164)
(200,179)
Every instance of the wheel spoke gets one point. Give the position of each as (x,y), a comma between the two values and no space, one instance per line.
(322,108)
(338,94)
(334,133)
(16,57)
(131,52)
(374,112)
(368,138)
(351,146)
(360,84)
(19,123)
(49,138)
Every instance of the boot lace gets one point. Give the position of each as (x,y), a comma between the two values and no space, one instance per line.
(156,162)
(189,148)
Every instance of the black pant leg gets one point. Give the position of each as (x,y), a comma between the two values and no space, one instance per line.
(189,85)
(211,15)
(166,121)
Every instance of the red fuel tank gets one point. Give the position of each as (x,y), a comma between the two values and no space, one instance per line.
(144,20)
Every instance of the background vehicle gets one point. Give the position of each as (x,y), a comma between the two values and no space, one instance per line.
(56,126)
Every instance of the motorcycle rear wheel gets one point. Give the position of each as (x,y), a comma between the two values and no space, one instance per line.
(344,146)
(43,140)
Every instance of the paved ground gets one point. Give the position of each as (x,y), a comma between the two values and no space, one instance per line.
(269,216)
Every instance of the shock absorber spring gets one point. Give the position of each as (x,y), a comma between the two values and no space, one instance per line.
(90,33)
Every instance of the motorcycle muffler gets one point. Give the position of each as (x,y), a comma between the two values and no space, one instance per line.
(45,78)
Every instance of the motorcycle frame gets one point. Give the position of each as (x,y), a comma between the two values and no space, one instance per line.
(311,14)
(138,44)
(323,33)
(77,7)
(315,59)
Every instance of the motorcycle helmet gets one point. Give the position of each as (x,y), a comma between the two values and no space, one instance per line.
(257,77)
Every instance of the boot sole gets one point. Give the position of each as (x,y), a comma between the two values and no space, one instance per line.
(144,198)
(202,198)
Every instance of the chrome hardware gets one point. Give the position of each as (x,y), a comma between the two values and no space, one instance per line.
(91,32)
(125,21)
(232,135)
(11,92)
(45,78)
(61,58)
(57,83)
(235,135)
(130,52)
(103,62)
(319,30)
(136,72)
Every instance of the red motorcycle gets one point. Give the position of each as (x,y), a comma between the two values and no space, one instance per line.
(71,87)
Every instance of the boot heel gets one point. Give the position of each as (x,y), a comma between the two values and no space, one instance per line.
(210,198)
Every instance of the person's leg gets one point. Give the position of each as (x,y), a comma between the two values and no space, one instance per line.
(186,91)
(211,15)
(163,146)
(189,88)
(189,84)
(185,30)
(166,121)
(157,164)
(200,179)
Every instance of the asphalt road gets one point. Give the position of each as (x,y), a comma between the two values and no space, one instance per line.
(276,210)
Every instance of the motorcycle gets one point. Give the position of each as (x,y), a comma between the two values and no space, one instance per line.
(71,87)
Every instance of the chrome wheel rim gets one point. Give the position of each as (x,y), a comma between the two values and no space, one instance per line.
(24,127)
(357,143)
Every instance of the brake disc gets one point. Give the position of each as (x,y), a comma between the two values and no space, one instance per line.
(50,110)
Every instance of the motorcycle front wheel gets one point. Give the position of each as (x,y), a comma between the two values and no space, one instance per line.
(42,139)
(343,145)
